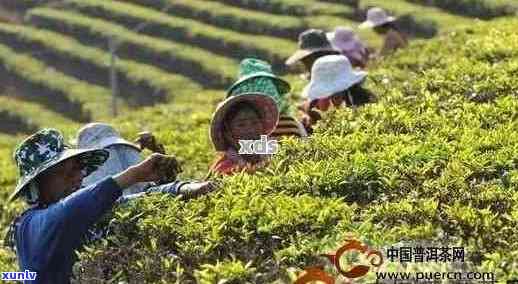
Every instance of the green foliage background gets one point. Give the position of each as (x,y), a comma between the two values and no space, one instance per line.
(435,159)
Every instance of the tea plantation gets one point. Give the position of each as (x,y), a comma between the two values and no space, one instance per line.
(433,160)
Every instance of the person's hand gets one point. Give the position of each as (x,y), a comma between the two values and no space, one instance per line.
(169,170)
(306,121)
(323,104)
(314,117)
(309,119)
(196,189)
(153,168)
(305,106)
(337,100)
(146,140)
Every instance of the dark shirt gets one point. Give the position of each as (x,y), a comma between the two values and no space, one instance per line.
(394,40)
(46,238)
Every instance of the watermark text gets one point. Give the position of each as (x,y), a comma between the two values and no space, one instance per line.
(262,146)
(19,276)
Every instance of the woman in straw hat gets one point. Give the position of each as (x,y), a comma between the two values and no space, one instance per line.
(46,236)
(256,76)
(384,24)
(240,118)
(349,44)
(334,82)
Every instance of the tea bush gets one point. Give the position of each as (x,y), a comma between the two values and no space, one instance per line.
(23,5)
(417,20)
(433,160)
(226,16)
(427,162)
(295,7)
(33,114)
(64,91)
(143,87)
(485,9)
(13,123)
(221,41)
(423,18)
(198,64)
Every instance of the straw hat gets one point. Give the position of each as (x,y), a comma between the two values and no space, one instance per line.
(331,74)
(100,135)
(45,149)
(311,41)
(265,105)
(376,17)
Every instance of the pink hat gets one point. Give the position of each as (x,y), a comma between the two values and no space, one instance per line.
(342,38)
(347,42)
(376,17)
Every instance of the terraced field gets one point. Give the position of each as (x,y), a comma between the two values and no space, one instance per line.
(195,44)
(174,58)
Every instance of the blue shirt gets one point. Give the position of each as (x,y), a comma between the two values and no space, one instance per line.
(46,238)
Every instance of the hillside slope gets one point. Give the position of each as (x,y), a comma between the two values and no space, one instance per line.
(184,46)
(434,159)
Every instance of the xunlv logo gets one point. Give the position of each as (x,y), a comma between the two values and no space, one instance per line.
(19,276)
(261,147)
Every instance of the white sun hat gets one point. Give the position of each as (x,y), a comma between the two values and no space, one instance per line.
(376,17)
(100,135)
(331,74)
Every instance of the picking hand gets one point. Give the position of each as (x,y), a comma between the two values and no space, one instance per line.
(169,170)
(196,189)
(146,140)
(323,104)
(153,168)
(337,100)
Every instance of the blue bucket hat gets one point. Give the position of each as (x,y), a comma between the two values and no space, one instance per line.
(45,149)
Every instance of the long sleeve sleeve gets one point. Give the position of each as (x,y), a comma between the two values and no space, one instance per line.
(48,237)
(168,188)
(89,204)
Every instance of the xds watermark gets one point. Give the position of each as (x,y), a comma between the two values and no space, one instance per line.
(19,276)
(262,146)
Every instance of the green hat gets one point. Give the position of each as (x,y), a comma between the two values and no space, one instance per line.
(45,149)
(256,76)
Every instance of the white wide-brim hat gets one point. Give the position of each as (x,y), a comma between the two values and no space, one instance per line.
(100,135)
(375,18)
(331,74)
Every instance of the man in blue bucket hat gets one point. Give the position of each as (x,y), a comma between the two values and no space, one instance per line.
(46,235)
